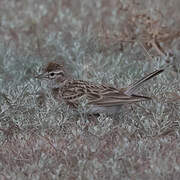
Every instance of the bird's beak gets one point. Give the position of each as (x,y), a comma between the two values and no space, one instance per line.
(41,76)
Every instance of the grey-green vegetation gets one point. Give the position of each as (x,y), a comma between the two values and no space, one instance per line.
(103,41)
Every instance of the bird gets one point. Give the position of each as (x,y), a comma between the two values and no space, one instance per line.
(99,98)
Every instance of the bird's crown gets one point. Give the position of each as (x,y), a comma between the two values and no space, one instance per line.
(52,66)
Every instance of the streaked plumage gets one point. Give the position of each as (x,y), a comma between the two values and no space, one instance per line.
(100,98)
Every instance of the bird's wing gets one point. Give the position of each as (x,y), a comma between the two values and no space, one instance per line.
(114,98)
(73,91)
(99,95)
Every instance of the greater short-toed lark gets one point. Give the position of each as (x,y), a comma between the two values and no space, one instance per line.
(100,98)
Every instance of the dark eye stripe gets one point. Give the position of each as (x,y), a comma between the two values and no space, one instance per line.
(60,73)
(53,75)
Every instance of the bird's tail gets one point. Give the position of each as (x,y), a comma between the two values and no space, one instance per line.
(134,87)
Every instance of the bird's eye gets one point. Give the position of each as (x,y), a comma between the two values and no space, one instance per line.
(51,75)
